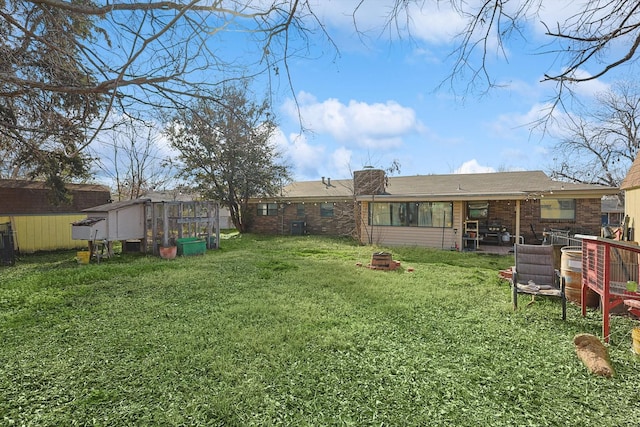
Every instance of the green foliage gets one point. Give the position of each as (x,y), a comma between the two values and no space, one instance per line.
(45,110)
(226,150)
(290,331)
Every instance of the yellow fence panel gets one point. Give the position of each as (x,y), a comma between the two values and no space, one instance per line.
(45,232)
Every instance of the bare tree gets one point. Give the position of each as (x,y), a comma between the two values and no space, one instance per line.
(137,164)
(65,66)
(601,36)
(600,142)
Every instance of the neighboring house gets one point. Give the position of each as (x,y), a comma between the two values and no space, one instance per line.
(433,210)
(36,221)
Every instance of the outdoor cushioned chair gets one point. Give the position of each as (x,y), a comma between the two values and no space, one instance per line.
(534,274)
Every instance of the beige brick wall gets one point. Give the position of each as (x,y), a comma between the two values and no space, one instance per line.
(587,219)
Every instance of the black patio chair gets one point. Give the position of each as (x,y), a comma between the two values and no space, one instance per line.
(534,275)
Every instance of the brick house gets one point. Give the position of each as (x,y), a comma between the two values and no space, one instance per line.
(438,211)
(325,207)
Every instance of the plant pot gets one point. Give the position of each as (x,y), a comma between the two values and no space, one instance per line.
(168,252)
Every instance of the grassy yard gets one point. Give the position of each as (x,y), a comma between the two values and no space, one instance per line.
(289,331)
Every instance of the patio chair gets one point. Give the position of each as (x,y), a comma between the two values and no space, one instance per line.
(534,274)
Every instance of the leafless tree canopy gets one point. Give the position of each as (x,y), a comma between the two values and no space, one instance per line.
(600,142)
(134,163)
(65,65)
(602,35)
(134,51)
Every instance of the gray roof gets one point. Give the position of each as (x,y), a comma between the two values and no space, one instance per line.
(498,185)
(339,188)
(495,186)
(116,205)
(170,196)
(40,185)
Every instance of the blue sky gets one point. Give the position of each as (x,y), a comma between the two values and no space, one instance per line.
(378,100)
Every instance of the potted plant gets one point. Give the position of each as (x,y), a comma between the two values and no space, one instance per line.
(170,250)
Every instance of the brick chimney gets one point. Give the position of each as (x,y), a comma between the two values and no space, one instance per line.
(369,181)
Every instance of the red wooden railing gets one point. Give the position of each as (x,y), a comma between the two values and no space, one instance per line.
(610,268)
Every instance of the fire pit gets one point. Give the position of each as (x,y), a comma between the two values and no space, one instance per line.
(383,261)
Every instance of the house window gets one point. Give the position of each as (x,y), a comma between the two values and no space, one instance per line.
(421,214)
(267,209)
(478,210)
(300,209)
(441,214)
(326,210)
(558,209)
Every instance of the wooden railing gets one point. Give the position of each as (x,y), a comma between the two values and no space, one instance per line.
(610,268)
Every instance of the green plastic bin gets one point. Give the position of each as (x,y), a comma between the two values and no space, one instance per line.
(191,246)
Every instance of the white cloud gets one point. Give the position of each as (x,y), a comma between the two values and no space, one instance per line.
(515,126)
(341,159)
(435,22)
(422,54)
(378,125)
(553,13)
(472,166)
(589,87)
(305,158)
(310,161)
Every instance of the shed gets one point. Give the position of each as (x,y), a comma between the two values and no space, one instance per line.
(37,223)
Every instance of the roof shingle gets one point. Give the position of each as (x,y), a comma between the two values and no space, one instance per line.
(452,186)
(632,180)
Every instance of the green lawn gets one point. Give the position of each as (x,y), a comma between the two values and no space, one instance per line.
(290,331)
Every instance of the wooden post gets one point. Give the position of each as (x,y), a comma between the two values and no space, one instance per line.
(605,296)
(165,225)
(144,243)
(154,228)
(180,223)
(217,224)
(210,208)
